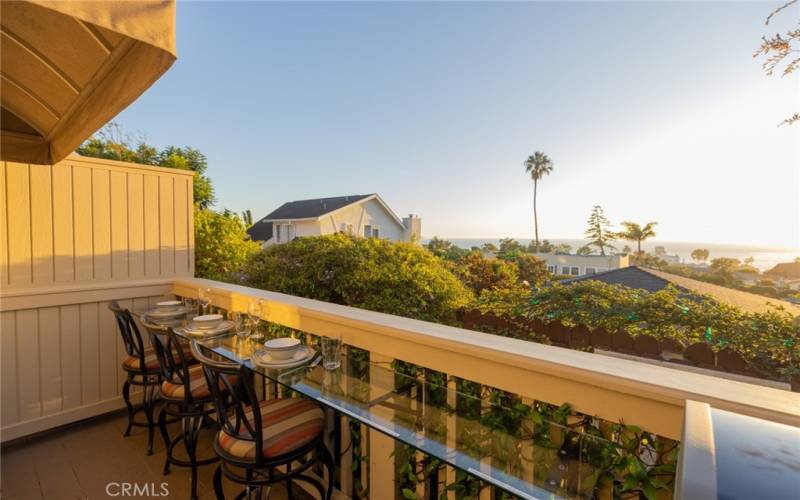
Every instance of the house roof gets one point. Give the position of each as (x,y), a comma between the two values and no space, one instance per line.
(260,231)
(307,209)
(653,280)
(786,270)
(312,209)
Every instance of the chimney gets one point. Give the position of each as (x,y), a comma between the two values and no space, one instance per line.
(413,231)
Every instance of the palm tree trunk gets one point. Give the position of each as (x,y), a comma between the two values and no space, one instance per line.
(639,248)
(535,221)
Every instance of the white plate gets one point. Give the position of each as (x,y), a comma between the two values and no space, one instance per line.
(156,313)
(262,358)
(204,332)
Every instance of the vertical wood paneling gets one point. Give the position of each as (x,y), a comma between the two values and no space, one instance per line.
(119,225)
(82,223)
(30,403)
(181,228)
(90,354)
(71,356)
(190,190)
(50,357)
(166,193)
(41,224)
(108,352)
(152,265)
(19,223)
(136,225)
(63,250)
(9,411)
(101,221)
(3,227)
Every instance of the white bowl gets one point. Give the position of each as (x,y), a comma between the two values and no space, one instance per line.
(282,348)
(207,321)
(168,305)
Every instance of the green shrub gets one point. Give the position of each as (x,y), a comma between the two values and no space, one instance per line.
(222,245)
(770,341)
(370,273)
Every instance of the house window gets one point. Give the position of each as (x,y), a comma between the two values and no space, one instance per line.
(350,229)
(375,232)
(565,270)
(590,270)
(367,231)
(290,232)
(575,271)
(278,231)
(552,269)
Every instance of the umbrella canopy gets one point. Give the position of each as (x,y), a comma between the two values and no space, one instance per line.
(69,67)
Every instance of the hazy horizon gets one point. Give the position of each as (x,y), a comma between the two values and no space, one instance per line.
(656,111)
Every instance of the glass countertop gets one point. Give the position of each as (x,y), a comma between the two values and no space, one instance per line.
(450,423)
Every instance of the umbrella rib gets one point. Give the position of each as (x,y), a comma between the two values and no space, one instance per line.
(43,59)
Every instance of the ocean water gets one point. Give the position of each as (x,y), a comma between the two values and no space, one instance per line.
(765,257)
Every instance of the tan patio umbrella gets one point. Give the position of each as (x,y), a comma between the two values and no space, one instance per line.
(68,67)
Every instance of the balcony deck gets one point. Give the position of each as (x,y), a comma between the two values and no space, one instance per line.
(78,462)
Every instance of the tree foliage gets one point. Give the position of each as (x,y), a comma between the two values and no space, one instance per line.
(599,230)
(479,273)
(770,341)
(700,254)
(112,143)
(781,50)
(445,249)
(537,166)
(370,273)
(638,233)
(222,246)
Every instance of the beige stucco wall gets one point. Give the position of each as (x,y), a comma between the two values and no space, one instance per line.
(369,213)
(598,262)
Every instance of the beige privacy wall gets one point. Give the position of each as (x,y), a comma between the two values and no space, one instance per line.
(72,237)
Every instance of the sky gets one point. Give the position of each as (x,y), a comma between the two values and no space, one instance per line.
(655,111)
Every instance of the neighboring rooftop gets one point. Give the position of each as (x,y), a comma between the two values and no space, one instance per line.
(789,270)
(653,281)
(307,209)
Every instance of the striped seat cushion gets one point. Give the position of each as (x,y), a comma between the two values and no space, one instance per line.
(151,360)
(287,424)
(197,385)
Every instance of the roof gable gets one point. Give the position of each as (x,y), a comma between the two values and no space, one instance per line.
(785,270)
(309,209)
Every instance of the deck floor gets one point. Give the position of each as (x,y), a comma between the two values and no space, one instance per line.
(78,461)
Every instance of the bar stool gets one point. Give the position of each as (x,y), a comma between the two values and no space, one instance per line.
(256,438)
(185,395)
(142,369)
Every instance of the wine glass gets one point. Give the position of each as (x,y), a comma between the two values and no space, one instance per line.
(254,310)
(204,299)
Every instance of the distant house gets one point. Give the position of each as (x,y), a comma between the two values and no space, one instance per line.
(784,273)
(652,280)
(363,215)
(580,265)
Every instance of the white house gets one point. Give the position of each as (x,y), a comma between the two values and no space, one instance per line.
(364,215)
(580,265)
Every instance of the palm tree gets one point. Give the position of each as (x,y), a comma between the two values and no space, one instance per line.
(538,165)
(637,233)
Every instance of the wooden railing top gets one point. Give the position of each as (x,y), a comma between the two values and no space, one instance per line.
(614,389)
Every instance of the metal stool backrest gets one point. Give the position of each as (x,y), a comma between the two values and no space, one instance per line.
(131,337)
(233,390)
(172,359)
